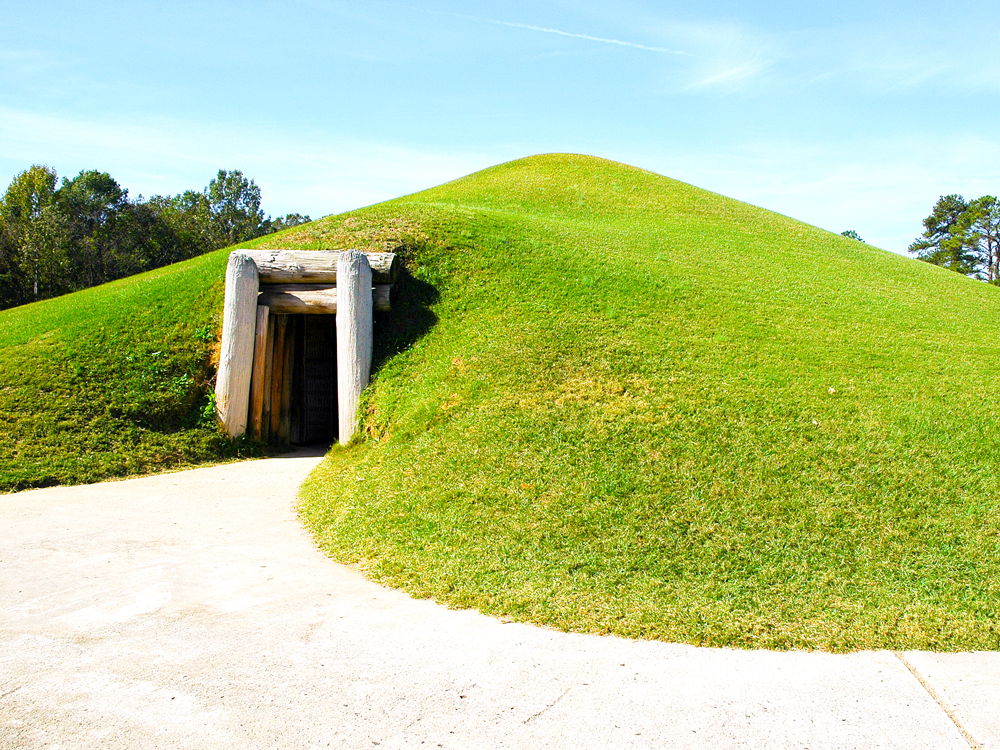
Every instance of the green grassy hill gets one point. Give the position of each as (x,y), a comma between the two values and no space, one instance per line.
(113,380)
(605,401)
(649,410)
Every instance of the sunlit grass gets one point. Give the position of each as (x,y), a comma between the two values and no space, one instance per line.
(605,401)
(652,411)
(113,380)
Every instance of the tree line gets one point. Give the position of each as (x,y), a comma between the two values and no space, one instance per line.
(963,236)
(58,238)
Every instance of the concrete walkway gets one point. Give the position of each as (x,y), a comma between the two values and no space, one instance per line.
(191,610)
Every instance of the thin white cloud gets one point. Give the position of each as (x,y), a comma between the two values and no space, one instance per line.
(877,60)
(731,75)
(588,37)
(724,56)
(870,60)
(894,70)
(305,171)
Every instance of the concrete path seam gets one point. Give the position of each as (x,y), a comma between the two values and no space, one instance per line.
(940,701)
(551,705)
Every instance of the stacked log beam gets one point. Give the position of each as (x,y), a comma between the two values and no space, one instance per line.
(314,299)
(312,267)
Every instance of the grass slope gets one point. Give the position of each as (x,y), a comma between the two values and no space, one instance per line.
(112,380)
(615,403)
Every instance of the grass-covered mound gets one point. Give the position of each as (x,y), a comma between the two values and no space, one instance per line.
(112,380)
(636,407)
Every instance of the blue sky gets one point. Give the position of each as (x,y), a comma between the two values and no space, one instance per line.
(850,115)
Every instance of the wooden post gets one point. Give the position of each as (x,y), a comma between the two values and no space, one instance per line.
(354,336)
(232,385)
(277,373)
(265,418)
(285,419)
(257,377)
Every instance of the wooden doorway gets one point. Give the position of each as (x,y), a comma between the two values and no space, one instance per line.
(281,376)
(298,382)
(314,402)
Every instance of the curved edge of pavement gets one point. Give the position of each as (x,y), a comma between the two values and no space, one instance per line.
(193,610)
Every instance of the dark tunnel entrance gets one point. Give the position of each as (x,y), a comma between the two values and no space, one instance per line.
(314,404)
(299,394)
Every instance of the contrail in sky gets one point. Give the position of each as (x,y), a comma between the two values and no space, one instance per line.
(588,37)
(545,30)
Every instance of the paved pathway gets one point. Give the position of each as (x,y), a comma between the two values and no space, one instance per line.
(191,610)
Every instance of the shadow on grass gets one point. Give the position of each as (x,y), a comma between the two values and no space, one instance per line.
(407,322)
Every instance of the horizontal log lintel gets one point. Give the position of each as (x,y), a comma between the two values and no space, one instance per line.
(316,266)
(314,299)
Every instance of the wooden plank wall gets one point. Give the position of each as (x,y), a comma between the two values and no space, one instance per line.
(275,372)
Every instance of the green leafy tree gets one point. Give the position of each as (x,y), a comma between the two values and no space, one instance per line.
(101,243)
(185,226)
(941,243)
(33,231)
(852,235)
(235,205)
(88,231)
(12,282)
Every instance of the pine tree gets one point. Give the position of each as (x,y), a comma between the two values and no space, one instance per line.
(940,243)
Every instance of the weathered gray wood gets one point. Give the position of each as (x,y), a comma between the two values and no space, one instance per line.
(232,385)
(354,336)
(258,374)
(265,419)
(285,417)
(314,299)
(316,266)
(277,374)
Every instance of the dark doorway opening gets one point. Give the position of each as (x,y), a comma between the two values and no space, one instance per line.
(314,393)
(296,396)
